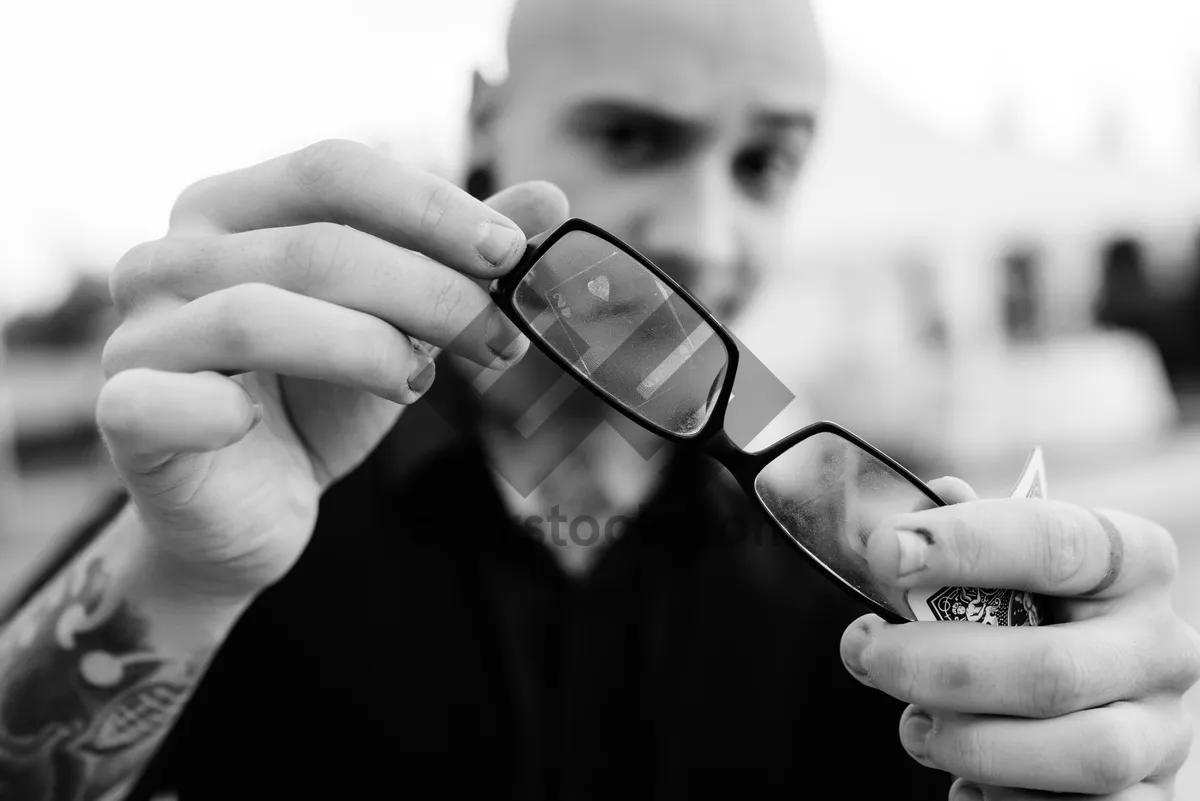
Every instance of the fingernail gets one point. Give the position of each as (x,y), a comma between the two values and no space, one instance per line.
(503,338)
(259,411)
(968,792)
(916,733)
(496,243)
(852,651)
(914,550)
(422,374)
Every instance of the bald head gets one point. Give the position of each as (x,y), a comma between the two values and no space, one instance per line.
(679,125)
(546,37)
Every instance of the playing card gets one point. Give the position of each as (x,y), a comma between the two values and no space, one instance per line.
(974,604)
(993,607)
(1032,483)
(604,305)
(632,335)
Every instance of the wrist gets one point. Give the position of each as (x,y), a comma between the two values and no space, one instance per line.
(171,584)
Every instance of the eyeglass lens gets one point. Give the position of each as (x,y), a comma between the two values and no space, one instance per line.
(829,495)
(624,330)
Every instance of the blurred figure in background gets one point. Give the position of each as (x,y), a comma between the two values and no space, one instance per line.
(1022,284)
(363,608)
(1128,299)
(1191,319)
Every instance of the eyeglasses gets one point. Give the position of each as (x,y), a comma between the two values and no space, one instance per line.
(641,342)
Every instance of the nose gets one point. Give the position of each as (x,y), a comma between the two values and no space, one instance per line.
(691,228)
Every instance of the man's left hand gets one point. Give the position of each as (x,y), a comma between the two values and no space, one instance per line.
(1090,702)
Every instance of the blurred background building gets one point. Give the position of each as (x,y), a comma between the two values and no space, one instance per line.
(997,243)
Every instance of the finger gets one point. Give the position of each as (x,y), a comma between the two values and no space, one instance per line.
(1024,544)
(148,417)
(1033,672)
(953,490)
(534,206)
(1102,750)
(949,489)
(962,790)
(335,264)
(1139,792)
(260,327)
(349,183)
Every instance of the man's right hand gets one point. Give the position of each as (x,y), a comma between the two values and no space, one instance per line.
(265,345)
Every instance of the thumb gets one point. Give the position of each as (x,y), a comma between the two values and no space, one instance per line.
(533,205)
(952,490)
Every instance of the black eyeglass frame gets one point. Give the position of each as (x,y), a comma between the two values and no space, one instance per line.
(711,438)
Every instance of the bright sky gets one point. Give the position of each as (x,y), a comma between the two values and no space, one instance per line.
(111,108)
(1061,61)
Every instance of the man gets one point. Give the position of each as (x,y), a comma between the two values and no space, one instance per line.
(384,627)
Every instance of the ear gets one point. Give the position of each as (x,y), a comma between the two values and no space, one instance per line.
(483,96)
(485,99)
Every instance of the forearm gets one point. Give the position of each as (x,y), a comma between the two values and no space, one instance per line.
(96,667)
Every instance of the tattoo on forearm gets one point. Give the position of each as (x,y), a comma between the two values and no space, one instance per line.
(84,698)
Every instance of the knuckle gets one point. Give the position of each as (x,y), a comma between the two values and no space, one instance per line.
(1183,662)
(1180,746)
(1051,683)
(1113,760)
(113,358)
(969,549)
(190,202)
(441,198)
(127,280)
(233,311)
(447,300)
(124,350)
(310,253)
(382,363)
(897,669)
(969,755)
(1064,540)
(314,167)
(1163,567)
(1190,672)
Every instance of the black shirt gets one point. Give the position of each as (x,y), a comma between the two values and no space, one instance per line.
(425,646)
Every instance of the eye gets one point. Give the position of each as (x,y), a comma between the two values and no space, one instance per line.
(628,144)
(767,172)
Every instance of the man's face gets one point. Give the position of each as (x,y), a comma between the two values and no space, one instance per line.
(679,125)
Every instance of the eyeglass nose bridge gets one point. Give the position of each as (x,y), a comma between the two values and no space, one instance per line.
(717,444)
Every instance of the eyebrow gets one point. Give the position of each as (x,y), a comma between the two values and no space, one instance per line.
(602,109)
(776,121)
(786,120)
